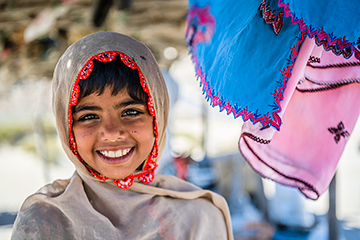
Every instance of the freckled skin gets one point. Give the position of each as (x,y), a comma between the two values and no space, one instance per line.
(105,123)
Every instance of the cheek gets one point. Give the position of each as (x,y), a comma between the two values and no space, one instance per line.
(143,129)
(82,137)
(86,134)
(144,133)
(80,134)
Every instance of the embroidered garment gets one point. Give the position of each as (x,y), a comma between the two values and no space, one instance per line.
(317,123)
(250,56)
(140,206)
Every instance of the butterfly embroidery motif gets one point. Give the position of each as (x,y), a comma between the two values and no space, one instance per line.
(339,131)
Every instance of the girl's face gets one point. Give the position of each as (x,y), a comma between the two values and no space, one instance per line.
(114,134)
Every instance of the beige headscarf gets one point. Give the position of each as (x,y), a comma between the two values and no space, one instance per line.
(88,207)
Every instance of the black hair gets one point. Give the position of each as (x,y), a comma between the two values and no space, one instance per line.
(116,75)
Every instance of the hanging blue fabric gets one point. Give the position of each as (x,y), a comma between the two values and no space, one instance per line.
(244,50)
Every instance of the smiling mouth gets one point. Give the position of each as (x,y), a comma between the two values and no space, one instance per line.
(116,157)
(115,154)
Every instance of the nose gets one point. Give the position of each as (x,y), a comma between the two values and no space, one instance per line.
(112,130)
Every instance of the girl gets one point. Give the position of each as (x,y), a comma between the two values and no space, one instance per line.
(111,105)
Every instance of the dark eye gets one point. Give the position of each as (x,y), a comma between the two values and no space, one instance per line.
(131,113)
(88,117)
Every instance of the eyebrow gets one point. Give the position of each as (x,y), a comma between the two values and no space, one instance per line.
(127,103)
(86,108)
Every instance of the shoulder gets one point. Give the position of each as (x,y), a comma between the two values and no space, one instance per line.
(55,188)
(173,183)
(41,220)
(196,218)
(205,211)
(207,220)
(40,217)
(175,188)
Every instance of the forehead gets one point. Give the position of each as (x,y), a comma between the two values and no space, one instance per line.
(106,97)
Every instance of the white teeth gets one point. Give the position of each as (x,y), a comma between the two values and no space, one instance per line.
(124,152)
(118,153)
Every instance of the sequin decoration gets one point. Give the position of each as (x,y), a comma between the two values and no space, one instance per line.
(85,72)
(75,95)
(129,62)
(124,183)
(93,172)
(147,175)
(151,165)
(105,57)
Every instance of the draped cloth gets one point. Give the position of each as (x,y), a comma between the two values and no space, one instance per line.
(290,70)
(91,206)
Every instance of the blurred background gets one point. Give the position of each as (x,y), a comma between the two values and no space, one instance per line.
(202,142)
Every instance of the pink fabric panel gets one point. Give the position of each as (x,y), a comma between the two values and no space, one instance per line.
(317,122)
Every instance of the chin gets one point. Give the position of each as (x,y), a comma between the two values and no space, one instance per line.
(113,175)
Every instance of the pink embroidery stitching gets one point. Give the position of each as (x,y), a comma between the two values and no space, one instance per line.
(274,120)
(357,49)
(337,45)
(200,25)
(147,175)
(270,18)
(299,183)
